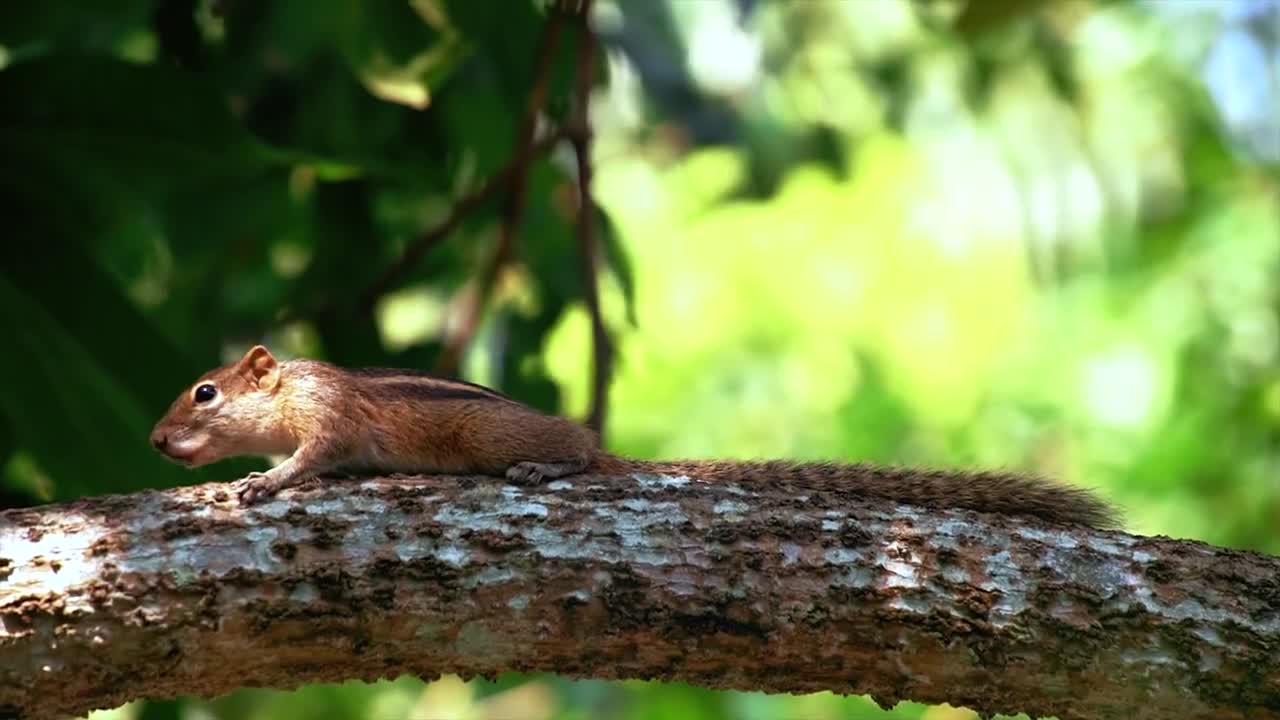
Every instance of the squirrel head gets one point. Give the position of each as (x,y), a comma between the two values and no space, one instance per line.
(226,412)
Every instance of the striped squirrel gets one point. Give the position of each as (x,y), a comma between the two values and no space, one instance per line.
(329,419)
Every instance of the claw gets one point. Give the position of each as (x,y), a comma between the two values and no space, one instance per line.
(525,473)
(253,487)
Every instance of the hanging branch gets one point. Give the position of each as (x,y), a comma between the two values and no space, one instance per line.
(463,207)
(512,180)
(513,212)
(589,248)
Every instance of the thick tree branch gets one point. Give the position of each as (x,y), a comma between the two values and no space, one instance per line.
(777,588)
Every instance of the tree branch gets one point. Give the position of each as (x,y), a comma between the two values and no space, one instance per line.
(774,588)
(456,344)
(589,249)
(463,207)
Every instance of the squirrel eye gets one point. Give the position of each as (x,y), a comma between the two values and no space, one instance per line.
(205,393)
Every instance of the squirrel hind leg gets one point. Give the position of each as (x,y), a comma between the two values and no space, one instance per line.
(532,473)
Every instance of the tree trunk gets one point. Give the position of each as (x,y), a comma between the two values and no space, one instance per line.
(183,592)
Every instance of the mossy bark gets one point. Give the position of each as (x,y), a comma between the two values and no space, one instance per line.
(184,592)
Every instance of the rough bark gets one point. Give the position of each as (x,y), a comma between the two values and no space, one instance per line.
(183,592)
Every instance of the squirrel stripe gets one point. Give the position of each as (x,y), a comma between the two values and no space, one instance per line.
(390,391)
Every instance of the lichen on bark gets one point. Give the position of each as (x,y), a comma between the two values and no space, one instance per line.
(184,592)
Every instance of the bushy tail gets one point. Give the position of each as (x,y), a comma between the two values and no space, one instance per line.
(1000,493)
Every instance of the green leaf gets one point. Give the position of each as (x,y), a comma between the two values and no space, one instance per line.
(343,210)
(73,23)
(509,39)
(478,118)
(521,373)
(113,140)
(7,442)
(386,31)
(82,428)
(364,33)
(12,494)
(132,123)
(162,709)
(988,15)
(548,240)
(95,373)
(76,295)
(222,262)
(489,97)
(617,261)
(319,99)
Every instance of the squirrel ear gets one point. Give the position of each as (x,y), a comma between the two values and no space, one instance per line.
(260,368)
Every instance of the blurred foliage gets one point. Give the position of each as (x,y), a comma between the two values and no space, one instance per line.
(1008,233)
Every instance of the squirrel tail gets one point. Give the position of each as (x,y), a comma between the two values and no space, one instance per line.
(996,492)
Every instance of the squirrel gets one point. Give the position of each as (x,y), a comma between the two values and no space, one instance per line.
(329,419)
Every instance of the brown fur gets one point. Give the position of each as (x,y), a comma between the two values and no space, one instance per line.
(1001,493)
(331,419)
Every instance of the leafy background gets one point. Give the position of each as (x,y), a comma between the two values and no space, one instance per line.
(1005,233)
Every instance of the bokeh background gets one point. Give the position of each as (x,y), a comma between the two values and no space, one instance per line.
(1030,235)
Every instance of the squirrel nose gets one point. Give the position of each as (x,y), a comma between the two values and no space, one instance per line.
(159,440)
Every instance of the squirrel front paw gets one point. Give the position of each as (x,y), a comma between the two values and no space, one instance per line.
(254,487)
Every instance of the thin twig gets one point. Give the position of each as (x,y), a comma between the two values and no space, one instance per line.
(464,206)
(580,136)
(457,343)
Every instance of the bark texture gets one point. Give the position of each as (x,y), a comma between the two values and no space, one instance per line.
(183,592)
